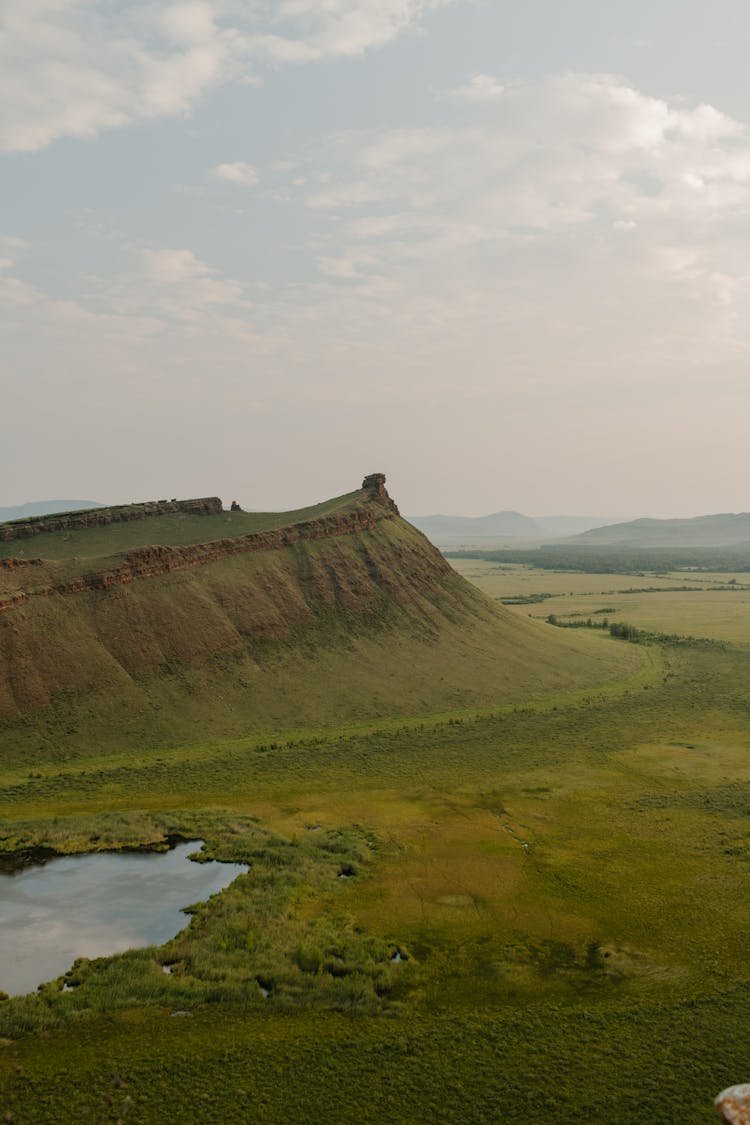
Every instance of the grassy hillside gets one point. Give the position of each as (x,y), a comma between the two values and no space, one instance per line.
(724,530)
(549,874)
(342,629)
(537,825)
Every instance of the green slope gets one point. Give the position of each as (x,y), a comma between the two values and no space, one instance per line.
(723,530)
(344,628)
(541,821)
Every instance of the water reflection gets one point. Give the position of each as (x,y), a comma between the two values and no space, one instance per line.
(96,905)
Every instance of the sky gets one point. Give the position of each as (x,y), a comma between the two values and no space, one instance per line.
(498,251)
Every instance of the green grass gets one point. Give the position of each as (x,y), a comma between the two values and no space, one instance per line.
(564,871)
(617,559)
(709,607)
(350,629)
(279,926)
(633,1064)
(584,785)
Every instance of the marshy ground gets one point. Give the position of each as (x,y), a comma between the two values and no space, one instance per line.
(544,915)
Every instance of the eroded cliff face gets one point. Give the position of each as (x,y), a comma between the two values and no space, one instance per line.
(344,618)
(33,578)
(64,632)
(150,562)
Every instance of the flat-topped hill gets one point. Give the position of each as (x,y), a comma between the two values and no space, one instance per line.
(98,532)
(346,614)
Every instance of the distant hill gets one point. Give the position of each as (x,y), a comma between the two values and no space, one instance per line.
(725,530)
(46,507)
(497,524)
(571,525)
(501,525)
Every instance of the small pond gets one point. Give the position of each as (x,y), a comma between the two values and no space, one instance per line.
(96,905)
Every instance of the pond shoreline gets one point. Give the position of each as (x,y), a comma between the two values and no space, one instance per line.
(15,861)
(98,904)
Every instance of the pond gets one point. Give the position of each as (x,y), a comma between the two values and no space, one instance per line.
(96,905)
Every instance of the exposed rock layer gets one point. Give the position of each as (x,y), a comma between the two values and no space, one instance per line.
(100,517)
(149,562)
(67,629)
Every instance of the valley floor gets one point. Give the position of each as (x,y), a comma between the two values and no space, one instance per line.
(564,883)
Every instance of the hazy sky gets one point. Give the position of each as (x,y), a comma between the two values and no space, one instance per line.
(499,251)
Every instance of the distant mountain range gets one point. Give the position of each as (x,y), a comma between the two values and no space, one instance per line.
(46,507)
(503,525)
(726,530)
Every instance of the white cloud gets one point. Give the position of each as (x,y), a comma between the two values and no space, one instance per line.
(10,248)
(480,88)
(550,158)
(188,23)
(581,227)
(354,263)
(72,67)
(582,231)
(236,173)
(320,28)
(337,267)
(570,258)
(175,286)
(76,67)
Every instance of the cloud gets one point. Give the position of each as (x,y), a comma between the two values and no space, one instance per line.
(188,23)
(573,226)
(77,68)
(549,159)
(10,249)
(480,88)
(353,264)
(236,173)
(583,230)
(176,288)
(550,272)
(314,29)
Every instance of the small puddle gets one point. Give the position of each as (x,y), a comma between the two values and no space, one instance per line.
(96,905)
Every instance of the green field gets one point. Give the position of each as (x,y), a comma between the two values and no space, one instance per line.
(563,874)
(711,605)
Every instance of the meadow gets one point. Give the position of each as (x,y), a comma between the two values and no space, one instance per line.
(709,604)
(534,911)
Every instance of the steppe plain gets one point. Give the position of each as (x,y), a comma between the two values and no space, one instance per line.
(498,869)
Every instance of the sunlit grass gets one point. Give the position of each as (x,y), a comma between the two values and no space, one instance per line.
(555,875)
(694,604)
